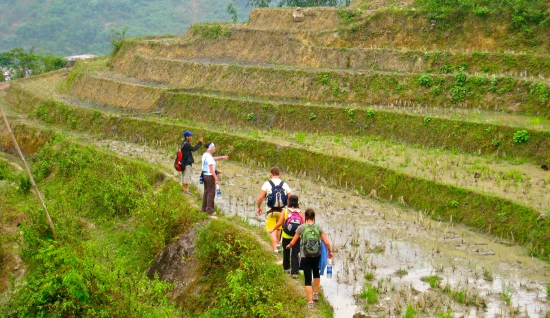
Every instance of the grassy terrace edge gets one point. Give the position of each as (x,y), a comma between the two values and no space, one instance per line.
(473,137)
(240,44)
(521,96)
(486,213)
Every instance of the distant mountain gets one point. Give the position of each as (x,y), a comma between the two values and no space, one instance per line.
(69,27)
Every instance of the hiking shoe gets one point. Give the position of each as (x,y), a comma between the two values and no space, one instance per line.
(295,276)
(315,296)
(287,271)
(310,305)
(276,253)
(279,248)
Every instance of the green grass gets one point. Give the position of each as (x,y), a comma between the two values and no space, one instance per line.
(369,293)
(433,280)
(410,311)
(112,217)
(506,295)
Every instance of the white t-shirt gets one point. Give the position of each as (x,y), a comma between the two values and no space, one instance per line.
(267,187)
(207,160)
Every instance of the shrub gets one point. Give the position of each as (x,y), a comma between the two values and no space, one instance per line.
(425,80)
(521,136)
(370,112)
(24,184)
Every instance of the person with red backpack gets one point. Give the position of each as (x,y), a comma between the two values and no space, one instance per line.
(292,218)
(187,159)
(310,236)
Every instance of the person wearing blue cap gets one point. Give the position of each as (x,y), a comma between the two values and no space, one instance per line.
(187,161)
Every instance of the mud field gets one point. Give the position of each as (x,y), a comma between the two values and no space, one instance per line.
(389,260)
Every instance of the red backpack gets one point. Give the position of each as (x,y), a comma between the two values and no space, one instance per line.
(292,222)
(178,165)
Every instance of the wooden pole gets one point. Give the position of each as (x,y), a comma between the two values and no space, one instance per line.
(35,188)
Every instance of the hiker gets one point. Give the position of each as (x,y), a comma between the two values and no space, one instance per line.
(188,160)
(310,235)
(272,189)
(7,77)
(27,72)
(292,218)
(210,178)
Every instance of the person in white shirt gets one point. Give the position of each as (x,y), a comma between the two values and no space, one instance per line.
(210,178)
(273,213)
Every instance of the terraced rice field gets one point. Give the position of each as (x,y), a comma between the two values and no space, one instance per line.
(432,184)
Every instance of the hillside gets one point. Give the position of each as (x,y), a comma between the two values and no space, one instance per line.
(420,134)
(71,27)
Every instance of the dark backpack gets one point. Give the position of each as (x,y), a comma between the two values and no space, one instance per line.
(178,165)
(311,241)
(277,198)
(292,222)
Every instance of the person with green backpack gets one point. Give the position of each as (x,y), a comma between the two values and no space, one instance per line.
(310,235)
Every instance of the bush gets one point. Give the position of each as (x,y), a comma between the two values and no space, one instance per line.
(426,80)
(521,136)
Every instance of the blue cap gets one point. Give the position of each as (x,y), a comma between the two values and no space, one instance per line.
(187,134)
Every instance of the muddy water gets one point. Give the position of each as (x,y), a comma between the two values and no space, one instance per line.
(480,276)
(384,239)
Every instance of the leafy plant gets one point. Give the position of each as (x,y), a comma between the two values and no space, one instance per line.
(117,39)
(454,204)
(323,78)
(312,116)
(370,112)
(426,80)
(521,136)
(250,116)
(350,111)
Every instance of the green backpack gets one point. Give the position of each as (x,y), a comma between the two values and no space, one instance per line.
(311,241)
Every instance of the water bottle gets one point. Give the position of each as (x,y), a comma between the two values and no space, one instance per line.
(329,268)
(201,179)
(218,191)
